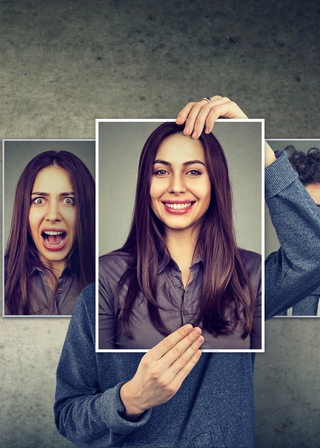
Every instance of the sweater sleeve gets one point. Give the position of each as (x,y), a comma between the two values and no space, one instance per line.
(292,272)
(88,413)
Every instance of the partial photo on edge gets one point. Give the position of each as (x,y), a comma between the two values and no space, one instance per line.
(304,156)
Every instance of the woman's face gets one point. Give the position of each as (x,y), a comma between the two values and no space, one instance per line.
(180,187)
(53,216)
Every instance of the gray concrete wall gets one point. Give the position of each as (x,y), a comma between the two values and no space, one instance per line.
(65,63)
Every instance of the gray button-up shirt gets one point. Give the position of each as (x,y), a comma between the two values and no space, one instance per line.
(64,297)
(178,305)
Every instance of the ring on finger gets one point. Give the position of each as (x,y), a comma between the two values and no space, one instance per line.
(207,99)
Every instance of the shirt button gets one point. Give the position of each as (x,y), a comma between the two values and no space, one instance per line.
(59,290)
(185,312)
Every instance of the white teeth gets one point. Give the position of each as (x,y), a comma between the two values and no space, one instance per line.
(51,232)
(179,206)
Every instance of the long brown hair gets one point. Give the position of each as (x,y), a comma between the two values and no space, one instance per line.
(225,277)
(21,253)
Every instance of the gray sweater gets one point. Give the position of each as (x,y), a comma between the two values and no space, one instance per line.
(215,405)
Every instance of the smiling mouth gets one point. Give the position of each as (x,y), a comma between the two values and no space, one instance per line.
(53,238)
(178,206)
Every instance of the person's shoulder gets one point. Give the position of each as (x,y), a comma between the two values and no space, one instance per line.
(116,258)
(81,330)
(86,298)
(114,263)
(85,306)
(250,259)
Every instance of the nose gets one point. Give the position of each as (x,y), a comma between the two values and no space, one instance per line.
(177,184)
(53,212)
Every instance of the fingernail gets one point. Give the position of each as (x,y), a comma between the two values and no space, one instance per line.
(186,130)
(195,134)
(197,331)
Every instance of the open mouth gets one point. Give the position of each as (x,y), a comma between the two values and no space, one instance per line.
(178,206)
(53,239)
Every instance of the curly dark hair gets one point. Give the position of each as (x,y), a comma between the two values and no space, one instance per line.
(306,164)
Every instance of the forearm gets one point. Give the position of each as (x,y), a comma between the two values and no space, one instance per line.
(95,420)
(88,408)
(269,155)
(293,271)
(132,412)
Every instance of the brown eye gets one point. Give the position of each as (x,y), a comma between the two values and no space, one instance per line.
(38,201)
(160,172)
(194,173)
(69,201)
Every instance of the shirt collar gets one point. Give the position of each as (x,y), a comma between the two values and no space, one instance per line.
(163,262)
(166,261)
(66,271)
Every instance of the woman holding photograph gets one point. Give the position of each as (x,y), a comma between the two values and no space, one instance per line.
(173,396)
(307,165)
(180,263)
(49,257)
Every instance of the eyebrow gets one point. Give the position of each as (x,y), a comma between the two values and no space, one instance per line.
(42,193)
(189,162)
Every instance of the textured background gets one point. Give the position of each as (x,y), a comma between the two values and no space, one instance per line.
(65,63)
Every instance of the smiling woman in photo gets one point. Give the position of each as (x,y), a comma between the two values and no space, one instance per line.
(49,257)
(180,263)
